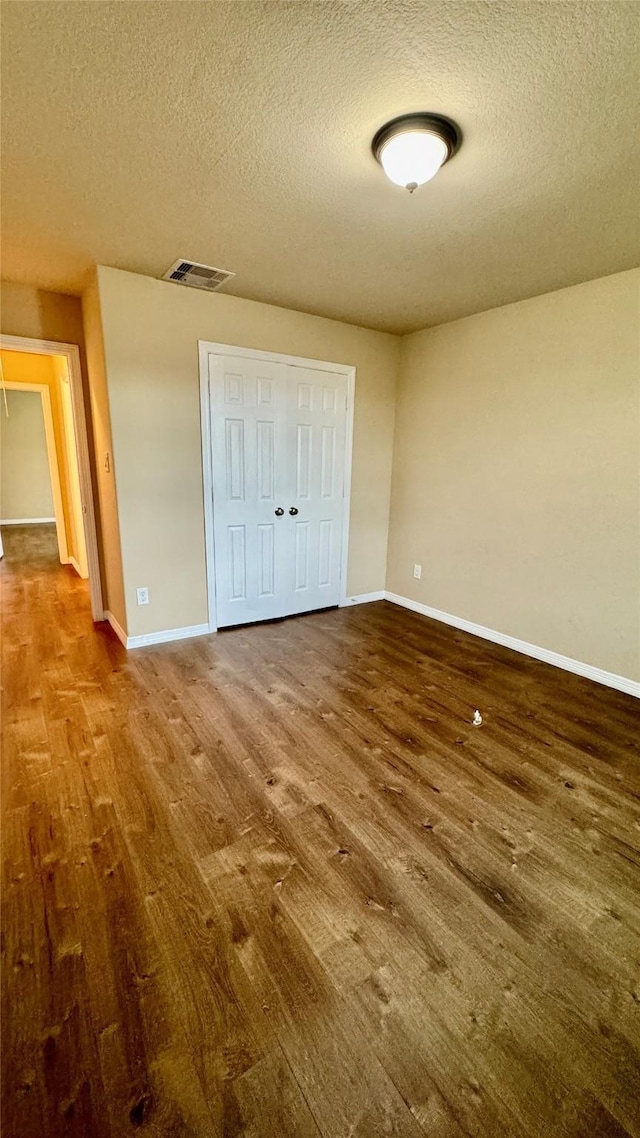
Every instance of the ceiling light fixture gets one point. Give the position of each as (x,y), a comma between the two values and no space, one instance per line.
(412,148)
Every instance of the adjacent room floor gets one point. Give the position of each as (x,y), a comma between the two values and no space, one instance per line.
(274,882)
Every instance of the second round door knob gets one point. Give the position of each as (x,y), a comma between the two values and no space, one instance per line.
(293,511)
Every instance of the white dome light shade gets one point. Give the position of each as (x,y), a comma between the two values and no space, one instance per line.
(413,157)
(412,148)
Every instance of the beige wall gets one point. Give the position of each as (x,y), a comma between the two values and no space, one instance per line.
(25,485)
(151,332)
(516,472)
(40,315)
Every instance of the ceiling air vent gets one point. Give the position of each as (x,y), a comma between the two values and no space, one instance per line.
(197,276)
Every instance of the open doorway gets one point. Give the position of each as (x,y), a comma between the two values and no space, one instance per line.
(45,462)
(26,480)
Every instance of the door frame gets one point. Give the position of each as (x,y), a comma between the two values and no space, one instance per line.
(207,348)
(71,353)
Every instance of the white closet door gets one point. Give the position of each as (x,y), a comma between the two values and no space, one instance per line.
(248,409)
(316,424)
(278,452)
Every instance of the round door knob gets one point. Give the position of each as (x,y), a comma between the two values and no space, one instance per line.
(293,511)
(279,512)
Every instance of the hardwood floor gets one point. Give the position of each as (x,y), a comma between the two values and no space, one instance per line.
(274,882)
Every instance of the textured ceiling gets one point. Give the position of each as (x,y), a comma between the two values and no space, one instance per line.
(238,134)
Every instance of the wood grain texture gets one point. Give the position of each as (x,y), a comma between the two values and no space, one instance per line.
(274,883)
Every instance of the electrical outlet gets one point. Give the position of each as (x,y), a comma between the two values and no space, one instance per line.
(143,596)
(417,572)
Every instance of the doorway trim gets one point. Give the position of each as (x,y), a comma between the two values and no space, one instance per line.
(207,348)
(71,353)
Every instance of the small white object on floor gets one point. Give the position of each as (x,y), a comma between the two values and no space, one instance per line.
(477,719)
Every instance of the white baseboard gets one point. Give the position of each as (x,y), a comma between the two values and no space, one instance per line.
(168,634)
(155,637)
(610,679)
(117,628)
(362,598)
(26,521)
(588,671)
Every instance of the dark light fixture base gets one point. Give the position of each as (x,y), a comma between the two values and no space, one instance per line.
(445,128)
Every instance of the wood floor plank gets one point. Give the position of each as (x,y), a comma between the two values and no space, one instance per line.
(275,883)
